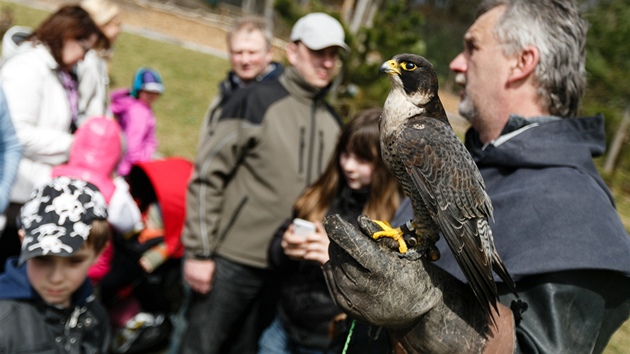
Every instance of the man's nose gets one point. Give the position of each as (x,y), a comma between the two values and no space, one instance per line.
(458,64)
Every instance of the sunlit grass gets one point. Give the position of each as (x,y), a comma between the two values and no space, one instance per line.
(191,79)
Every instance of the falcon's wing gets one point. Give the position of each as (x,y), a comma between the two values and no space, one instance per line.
(450,185)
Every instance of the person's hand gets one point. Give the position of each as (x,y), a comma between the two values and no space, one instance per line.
(372,282)
(317,245)
(313,247)
(199,274)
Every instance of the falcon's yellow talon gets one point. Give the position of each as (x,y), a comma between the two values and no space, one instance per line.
(394,233)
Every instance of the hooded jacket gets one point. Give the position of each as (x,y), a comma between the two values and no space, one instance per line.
(40,112)
(272,140)
(552,210)
(138,124)
(169,179)
(94,156)
(28,325)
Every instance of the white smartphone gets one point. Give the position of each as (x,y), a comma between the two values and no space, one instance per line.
(303,227)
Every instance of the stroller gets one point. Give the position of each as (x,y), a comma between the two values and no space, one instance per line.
(143,289)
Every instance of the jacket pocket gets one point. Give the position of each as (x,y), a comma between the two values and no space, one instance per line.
(237,211)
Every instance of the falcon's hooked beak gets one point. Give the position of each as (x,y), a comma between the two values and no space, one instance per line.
(390,67)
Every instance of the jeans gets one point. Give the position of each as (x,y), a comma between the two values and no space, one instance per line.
(231,317)
(276,341)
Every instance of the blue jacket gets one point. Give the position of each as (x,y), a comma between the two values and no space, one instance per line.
(28,325)
(10,153)
(552,210)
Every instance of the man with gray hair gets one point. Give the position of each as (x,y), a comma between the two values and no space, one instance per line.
(555,223)
(251,60)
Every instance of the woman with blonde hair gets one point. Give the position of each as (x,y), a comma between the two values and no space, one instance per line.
(355,182)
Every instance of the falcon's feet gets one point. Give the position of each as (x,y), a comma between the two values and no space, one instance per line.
(394,233)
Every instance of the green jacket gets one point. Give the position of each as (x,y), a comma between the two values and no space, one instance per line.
(272,140)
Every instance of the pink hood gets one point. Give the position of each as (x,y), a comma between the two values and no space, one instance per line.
(95,154)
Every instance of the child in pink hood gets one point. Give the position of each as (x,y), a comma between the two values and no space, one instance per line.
(94,156)
(132,108)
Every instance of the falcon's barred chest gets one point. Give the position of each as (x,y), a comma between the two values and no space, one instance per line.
(447,192)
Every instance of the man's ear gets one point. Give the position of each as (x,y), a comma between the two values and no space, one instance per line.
(524,64)
(292,53)
(21,234)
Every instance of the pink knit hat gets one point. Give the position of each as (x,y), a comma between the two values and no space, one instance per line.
(95,154)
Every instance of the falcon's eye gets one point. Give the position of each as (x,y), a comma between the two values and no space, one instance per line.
(408,66)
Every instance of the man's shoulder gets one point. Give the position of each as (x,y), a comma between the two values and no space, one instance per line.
(251,103)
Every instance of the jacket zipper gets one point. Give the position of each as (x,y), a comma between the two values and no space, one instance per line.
(301,155)
(320,158)
(311,147)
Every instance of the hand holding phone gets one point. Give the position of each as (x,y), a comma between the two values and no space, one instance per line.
(303,227)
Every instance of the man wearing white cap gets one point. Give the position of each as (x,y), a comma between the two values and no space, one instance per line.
(271,140)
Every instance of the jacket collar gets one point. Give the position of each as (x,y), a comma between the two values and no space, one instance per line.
(540,142)
(295,84)
(14,285)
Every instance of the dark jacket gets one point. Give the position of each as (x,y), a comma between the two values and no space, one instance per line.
(272,140)
(558,232)
(305,306)
(28,325)
(227,87)
(552,210)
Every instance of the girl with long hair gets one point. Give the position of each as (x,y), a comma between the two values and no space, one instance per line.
(355,182)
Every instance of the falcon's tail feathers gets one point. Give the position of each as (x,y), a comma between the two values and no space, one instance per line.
(499,268)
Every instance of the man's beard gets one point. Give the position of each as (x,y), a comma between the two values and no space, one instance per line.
(467,109)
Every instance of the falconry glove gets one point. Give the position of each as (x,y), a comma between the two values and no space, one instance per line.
(425,309)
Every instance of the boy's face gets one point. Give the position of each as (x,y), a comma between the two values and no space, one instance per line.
(56,278)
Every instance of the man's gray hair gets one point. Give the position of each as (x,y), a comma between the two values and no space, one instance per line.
(250,24)
(556,28)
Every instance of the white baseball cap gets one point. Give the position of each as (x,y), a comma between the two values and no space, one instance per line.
(318,30)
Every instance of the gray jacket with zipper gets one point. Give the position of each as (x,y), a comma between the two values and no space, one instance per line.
(272,140)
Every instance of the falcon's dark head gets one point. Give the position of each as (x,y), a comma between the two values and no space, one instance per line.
(414,75)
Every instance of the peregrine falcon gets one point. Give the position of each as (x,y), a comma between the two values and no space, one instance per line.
(438,174)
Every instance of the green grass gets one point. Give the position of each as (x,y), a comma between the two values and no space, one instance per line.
(191,80)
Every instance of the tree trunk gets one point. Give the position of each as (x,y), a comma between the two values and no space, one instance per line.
(346,10)
(359,15)
(620,136)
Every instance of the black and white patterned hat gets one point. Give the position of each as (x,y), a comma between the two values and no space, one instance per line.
(58,217)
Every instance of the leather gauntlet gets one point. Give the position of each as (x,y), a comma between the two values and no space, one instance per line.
(426,309)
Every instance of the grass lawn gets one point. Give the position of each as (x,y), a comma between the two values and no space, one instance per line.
(191,80)
(190,77)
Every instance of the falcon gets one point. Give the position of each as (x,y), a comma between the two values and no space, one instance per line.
(439,176)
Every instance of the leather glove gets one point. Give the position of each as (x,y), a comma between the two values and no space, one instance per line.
(371,282)
(426,309)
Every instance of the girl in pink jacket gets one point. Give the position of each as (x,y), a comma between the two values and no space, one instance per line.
(132,108)
(94,156)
